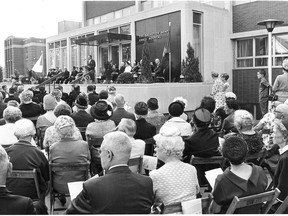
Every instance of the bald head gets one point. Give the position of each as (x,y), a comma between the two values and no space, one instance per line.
(119,100)
(4,165)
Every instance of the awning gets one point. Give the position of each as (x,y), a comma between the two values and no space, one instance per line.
(102,38)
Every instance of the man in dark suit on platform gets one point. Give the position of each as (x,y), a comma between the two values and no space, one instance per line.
(11,204)
(91,67)
(120,112)
(119,191)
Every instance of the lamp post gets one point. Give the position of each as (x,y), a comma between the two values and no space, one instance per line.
(270,25)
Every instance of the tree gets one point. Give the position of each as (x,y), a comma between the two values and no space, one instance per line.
(190,66)
(146,72)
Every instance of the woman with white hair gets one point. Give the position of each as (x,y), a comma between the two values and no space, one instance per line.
(243,121)
(175,181)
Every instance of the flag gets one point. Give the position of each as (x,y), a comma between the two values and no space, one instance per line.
(167,44)
(38,67)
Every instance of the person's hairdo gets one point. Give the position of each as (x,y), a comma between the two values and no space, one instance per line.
(208,103)
(3,159)
(205,115)
(77,88)
(12,90)
(214,74)
(57,93)
(170,140)
(232,103)
(235,149)
(119,143)
(225,76)
(90,88)
(24,128)
(243,119)
(221,112)
(103,94)
(141,108)
(262,71)
(181,100)
(127,126)
(1,97)
(12,114)
(59,87)
(119,100)
(65,126)
(62,109)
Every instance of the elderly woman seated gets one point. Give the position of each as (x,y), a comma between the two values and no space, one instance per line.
(175,181)
(243,121)
(241,179)
(67,150)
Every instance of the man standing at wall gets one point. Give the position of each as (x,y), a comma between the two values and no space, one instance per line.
(263,91)
(91,67)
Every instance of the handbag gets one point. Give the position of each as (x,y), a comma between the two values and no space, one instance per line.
(272,97)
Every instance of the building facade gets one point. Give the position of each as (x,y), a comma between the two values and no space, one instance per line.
(22,53)
(116,30)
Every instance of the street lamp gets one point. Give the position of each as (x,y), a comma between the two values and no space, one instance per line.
(270,25)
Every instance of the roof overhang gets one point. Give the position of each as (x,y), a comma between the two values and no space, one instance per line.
(96,40)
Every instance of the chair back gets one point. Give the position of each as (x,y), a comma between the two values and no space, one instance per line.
(135,164)
(82,131)
(217,160)
(282,209)
(94,141)
(257,158)
(27,174)
(175,208)
(266,197)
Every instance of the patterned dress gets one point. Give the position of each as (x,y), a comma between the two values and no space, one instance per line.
(218,94)
(175,182)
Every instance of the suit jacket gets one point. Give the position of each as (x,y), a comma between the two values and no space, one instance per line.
(281,175)
(93,98)
(120,113)
(82,118)
(118,192)
(14,204)
(91,64)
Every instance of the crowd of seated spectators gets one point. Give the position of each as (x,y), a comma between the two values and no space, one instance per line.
(84,126)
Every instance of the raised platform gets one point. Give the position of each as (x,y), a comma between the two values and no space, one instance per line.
(164,92)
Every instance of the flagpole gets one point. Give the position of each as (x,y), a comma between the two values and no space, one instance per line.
(170,75)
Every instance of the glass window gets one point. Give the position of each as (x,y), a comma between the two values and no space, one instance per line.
(281,44)
(90,22)
(115,55)
(57,55)
(125,29)
(96,20)
(63,43)
(197,18)
(57,44)
(245,63)
(64,57)
(109,16)
(103,18)
(51,45)
(261,46)
(104,56)
(118,14)
(51,59)
(261,62)
(113,30)
(82,56)
(74,56)
(73,41)
(245,48)
(146,5)
(126,11)
(103,32)
(126,52)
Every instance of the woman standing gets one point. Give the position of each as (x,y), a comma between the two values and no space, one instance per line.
(218,91)
(280,87)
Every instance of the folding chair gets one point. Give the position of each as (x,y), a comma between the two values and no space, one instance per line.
(257,199)
(135,164)
(282,209)
(40,136)
(257,158)
(27,174)
(64,167)
(94,144)
(82,131)
(175,208)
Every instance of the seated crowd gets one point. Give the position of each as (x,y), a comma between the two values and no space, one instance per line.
(98,129)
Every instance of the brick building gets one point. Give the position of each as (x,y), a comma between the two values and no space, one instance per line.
(22,53)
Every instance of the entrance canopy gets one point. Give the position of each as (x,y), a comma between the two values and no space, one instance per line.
(102,38)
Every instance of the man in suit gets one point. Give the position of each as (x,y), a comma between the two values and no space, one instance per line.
(92,95)
(145,131)
(120,111)
(91,67)
(11,204)
(119,191)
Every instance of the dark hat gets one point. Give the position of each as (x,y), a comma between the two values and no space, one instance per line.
(81,102)
(101,110)
(152,104)
(141,108)
(202,117)
(176,109)
(103,94)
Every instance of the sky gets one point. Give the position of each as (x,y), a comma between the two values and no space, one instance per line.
(35,18)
